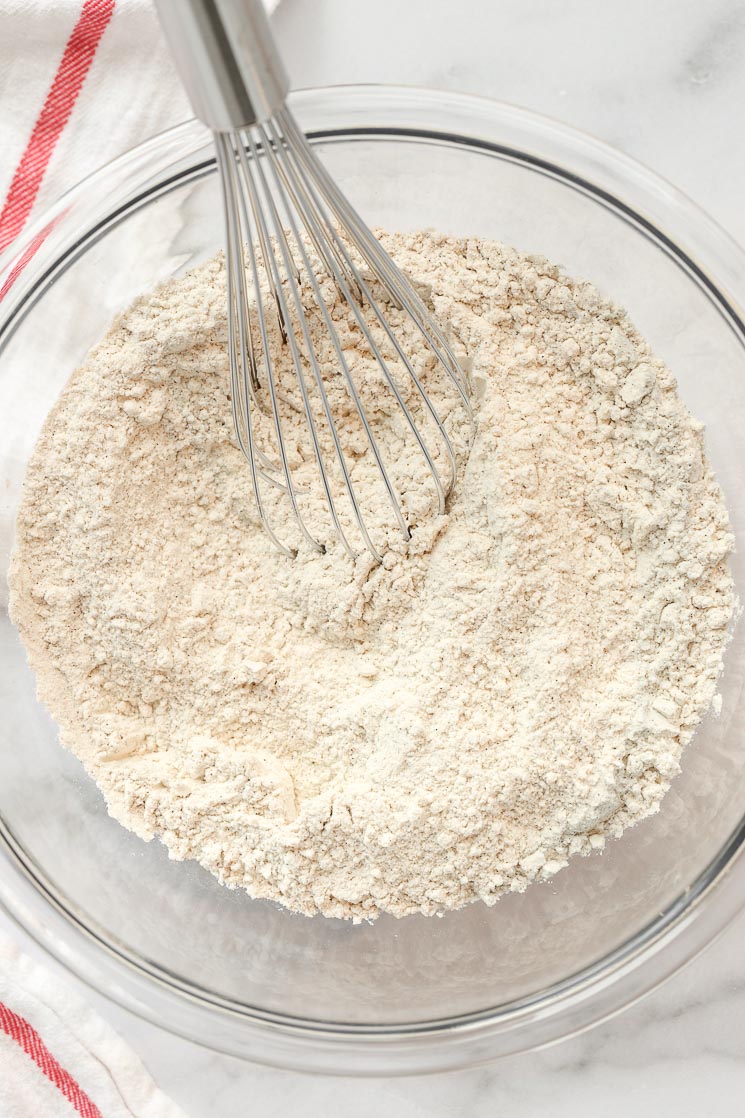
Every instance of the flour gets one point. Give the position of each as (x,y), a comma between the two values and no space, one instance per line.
(509,689)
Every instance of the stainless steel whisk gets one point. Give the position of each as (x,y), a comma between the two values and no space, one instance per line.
(279,199)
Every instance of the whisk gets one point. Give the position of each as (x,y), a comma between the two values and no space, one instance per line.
(286,220)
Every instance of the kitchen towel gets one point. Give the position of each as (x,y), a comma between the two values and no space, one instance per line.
(81,81)
(58,1058)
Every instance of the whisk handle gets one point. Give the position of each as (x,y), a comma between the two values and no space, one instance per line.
(227,59)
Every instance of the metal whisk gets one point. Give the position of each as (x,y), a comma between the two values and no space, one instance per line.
(287,223)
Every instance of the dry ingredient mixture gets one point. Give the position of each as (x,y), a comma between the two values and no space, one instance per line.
(511,688)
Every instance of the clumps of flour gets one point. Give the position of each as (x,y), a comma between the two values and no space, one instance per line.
(509,689)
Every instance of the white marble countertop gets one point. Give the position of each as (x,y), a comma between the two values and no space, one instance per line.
(665,81)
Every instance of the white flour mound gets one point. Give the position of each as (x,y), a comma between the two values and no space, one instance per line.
(509,690)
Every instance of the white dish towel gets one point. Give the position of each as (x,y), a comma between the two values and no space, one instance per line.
(59,1059)
(81,81)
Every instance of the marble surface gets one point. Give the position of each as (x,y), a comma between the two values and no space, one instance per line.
(663,81)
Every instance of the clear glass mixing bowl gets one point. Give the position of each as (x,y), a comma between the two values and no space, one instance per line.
(247,977)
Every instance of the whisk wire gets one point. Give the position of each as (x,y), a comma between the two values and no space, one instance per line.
(277,172)
(281,241)
(272,271)
(242,419)
(387,272)
(294,288)
(247,383)
(302,195)
(302,187)
(250,241)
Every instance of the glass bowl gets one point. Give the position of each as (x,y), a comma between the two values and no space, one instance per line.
(164,938)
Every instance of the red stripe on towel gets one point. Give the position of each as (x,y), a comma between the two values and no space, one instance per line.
(28,254)
(18,1029)
(75,63)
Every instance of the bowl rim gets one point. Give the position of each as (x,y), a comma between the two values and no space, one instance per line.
(694,919)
